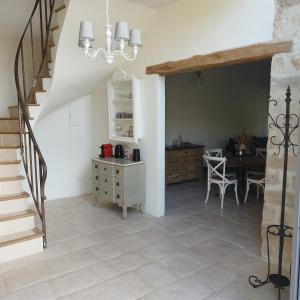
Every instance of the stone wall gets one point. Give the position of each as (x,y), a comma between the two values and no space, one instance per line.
(285,72)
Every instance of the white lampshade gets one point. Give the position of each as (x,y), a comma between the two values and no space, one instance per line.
(86,31)
(135,38)
(81,43)
(121,32)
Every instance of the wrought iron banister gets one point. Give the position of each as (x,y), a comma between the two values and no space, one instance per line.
(31,65)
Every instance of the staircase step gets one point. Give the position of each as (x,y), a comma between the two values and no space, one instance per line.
(15,178)
(14,203)
(10,132)
(60,8)
(54,28)
(11,185)
(51,45)
(17,215)
(9,170)
(9,138)
(20,244)
(14,112)
(38,90)
(10,147)
(9,162)
(9,154)
(16,222)
(8,124)
(29,104)
(14,196)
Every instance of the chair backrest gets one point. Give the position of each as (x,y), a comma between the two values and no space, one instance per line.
(261,152)
(217,152)
(216,168)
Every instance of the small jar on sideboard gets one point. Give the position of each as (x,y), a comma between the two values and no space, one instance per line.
(119,181)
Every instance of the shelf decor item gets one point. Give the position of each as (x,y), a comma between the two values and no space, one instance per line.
(286,124)
(124,116)
(115,47)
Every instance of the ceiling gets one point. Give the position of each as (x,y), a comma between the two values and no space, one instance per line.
(152,3)
(20,10)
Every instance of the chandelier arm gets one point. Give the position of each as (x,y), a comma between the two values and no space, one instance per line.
(90,55)
(127,57)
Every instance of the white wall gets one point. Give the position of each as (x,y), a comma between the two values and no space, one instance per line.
(220,104)
(67,149)
(179,30)
(8,93)
(186,28)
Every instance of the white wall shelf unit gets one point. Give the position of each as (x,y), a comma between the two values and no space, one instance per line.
(124,105)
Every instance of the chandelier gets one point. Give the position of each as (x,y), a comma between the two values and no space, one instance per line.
(114,47)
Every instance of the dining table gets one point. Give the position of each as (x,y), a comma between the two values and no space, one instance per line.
(240,164)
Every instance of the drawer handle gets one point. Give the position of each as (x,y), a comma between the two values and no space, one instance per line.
(118,184)
(117,171)
(105,180)
(97,189)
(105,169)
(96,166)
(105,192)
(118,196)
(96,177)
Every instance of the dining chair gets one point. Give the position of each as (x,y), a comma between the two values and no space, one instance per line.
(256,177)
(261,152)
(216,174)
(217,152)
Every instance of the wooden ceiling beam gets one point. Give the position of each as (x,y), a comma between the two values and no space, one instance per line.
(235,56)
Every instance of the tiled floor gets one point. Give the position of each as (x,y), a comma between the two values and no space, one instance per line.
(194,252)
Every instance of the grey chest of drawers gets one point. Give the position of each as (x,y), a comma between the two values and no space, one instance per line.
(119,181)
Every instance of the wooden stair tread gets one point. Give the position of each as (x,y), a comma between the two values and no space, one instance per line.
(28,104)
(10,132)
(54,28)
(18,215)
(10,147)
(19,237)
(10,162)
(14,178)
(51,45)
(58,9)
(11,119)
(38,90)
(14,196)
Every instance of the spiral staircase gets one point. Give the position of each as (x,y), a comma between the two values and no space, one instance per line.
(23,170)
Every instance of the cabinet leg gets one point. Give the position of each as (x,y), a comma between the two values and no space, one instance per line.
(142,208)
(95,201)
(124,212)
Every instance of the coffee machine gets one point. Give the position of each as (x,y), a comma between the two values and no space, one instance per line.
(119,151)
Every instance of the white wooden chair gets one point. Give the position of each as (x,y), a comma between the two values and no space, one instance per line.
(217,152)
(216,174)
(261,152)
(256,177)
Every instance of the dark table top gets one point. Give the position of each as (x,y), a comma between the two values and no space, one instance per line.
(184,146)
(245,161)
